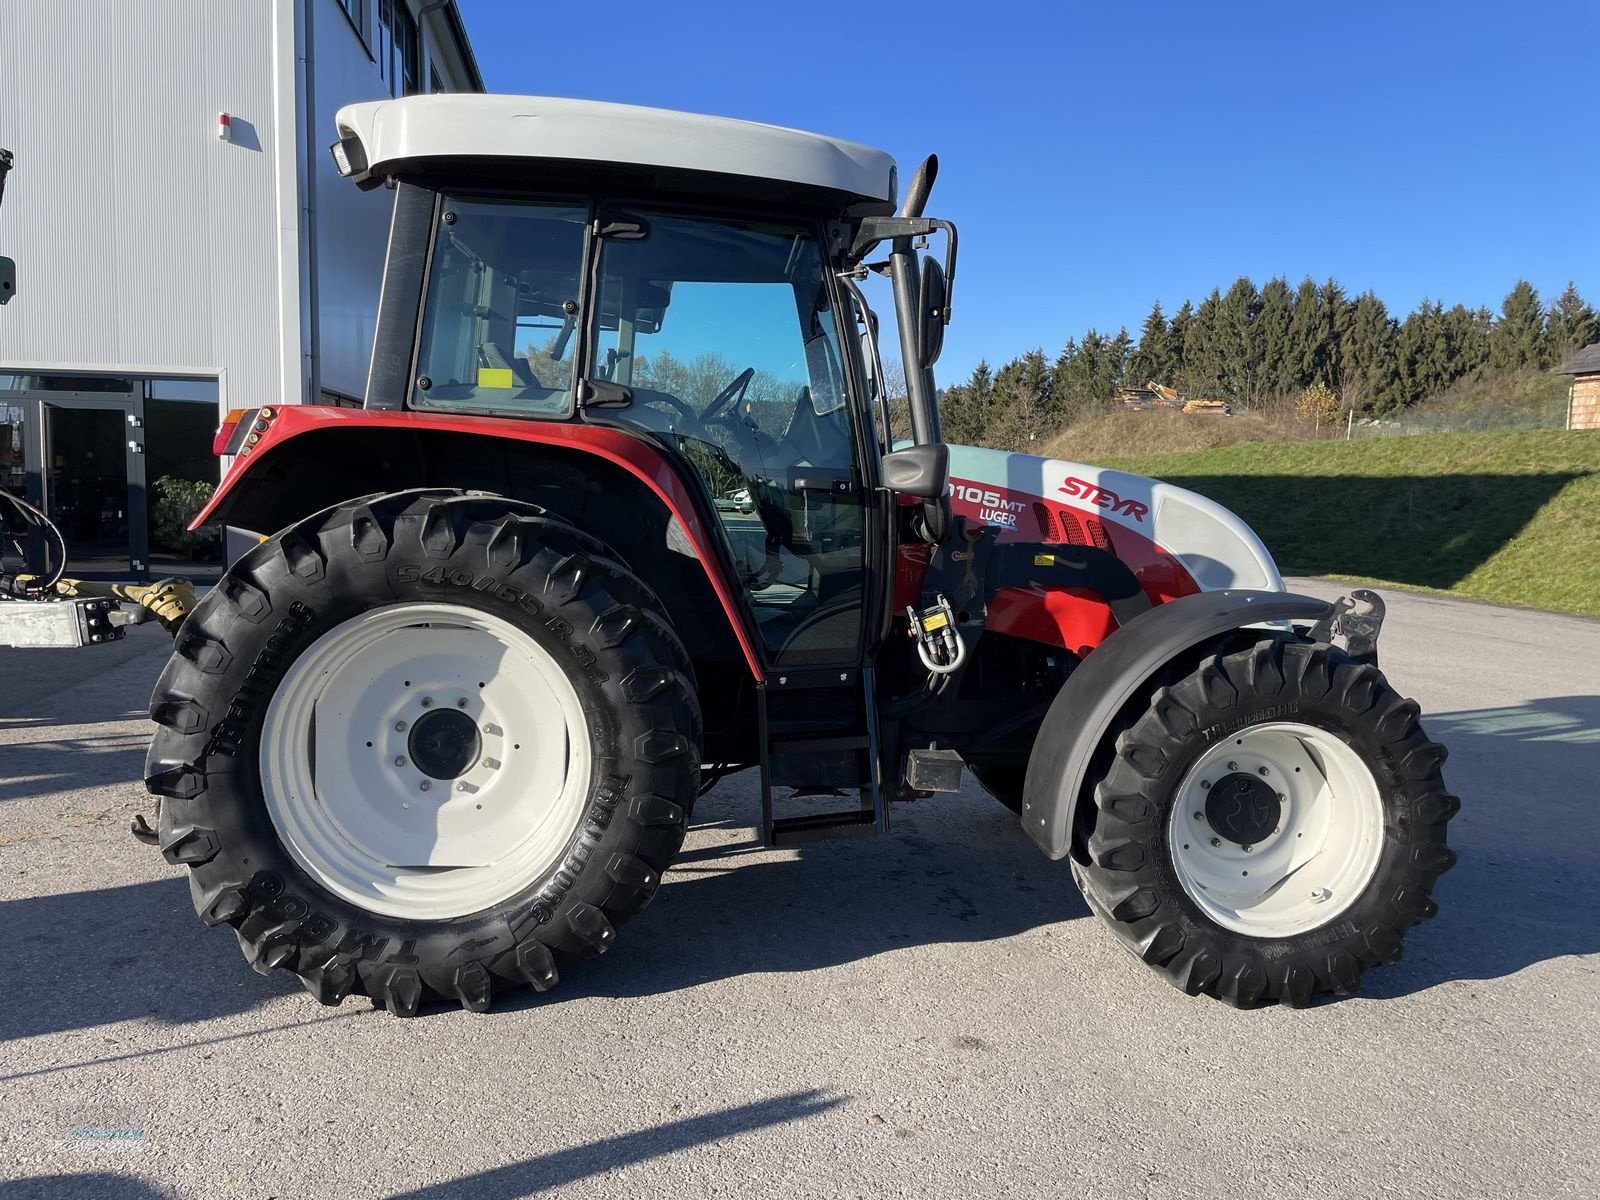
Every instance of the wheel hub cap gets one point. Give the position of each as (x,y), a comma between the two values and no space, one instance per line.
(444,743)
(1243,809)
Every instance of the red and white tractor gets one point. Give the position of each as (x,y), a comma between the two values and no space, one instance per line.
(621,514)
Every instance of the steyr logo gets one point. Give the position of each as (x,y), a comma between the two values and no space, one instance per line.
(1093,493)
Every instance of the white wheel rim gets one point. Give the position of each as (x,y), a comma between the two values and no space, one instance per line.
(1318,857)
(357,812)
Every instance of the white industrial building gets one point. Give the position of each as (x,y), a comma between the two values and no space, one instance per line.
(183,244)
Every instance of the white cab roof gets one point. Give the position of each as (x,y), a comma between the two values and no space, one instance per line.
(462,125)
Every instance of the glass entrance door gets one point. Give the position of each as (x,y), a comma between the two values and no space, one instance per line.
(92,484)
(79,456)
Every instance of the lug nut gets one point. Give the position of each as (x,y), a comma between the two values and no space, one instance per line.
(1232,766)
(399,726)
(1261,770)
(1200,816)
(492,729)
(401,761)
(1282,799)
(427,785)
(427,702)
(1248,847)
(462,703)
(1318,895)
(463,786)
(1205,784)
(492,763)
(1216,841)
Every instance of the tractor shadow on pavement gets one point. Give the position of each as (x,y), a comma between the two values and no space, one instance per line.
(82,959)
(550,1171)
(954,869)
(957,869)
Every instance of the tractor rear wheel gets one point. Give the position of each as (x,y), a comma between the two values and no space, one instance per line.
(426,744)
(1269,826)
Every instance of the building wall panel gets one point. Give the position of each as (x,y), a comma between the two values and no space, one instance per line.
(143,242)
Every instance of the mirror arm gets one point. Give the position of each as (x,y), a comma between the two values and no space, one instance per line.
(919,379)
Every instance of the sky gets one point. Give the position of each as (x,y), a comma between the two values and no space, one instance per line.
(1100,157)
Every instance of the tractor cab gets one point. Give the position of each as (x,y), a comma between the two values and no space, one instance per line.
(689,278)
(695,282)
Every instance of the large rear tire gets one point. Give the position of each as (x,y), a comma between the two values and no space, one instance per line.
(427,744)
(1270,826)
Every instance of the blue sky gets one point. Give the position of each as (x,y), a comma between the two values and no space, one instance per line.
(1098,157)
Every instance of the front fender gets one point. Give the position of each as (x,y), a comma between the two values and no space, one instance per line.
(1082,713)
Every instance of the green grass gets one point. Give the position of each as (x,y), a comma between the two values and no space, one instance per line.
(1512,518)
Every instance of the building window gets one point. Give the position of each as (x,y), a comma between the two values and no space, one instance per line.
(399,48)
(435,84)
(358,12)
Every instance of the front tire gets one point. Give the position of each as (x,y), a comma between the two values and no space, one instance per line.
(1270,826)
(427,744)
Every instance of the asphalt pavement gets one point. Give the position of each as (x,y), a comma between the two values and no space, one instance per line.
(933,1013)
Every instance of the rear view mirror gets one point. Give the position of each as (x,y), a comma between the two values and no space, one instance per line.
(931,303)
(918,471)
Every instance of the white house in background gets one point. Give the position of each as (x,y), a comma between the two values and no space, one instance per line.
(183,244)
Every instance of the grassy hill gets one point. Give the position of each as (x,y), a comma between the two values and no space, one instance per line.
(1513,518)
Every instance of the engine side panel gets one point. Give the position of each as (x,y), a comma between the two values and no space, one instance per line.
(1175,542)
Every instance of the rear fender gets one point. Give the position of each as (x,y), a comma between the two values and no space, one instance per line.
(305,457)
(1081,716)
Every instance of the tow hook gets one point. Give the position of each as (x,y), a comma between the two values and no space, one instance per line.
(1353,625)
(141,829)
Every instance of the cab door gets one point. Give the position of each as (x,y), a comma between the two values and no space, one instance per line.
(724,334)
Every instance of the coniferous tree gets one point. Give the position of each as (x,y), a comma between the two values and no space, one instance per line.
(1570,326)
(1022,399)
(1202,358)
(1177,334)
(1467,333)
(1517,340)
(1368,380)
(1151,359)
(1279,374)
(1238,354)
(1310,333)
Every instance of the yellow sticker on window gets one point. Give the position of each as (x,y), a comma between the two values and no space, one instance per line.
(495,377)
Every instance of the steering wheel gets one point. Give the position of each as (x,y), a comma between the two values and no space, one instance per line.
(648,396)
(736,389)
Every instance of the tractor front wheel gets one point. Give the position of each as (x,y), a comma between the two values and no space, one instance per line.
(1269,826)
(427,744)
